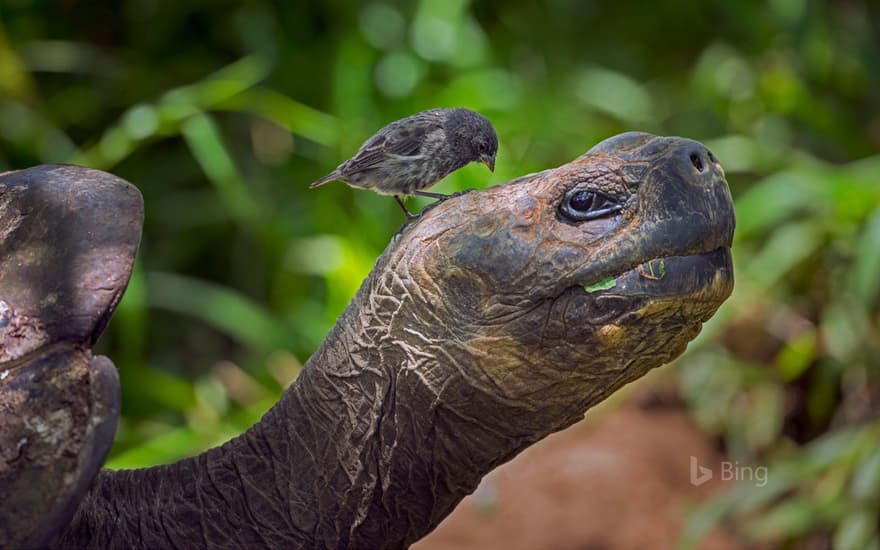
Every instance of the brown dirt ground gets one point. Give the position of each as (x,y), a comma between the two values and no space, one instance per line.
(621,481)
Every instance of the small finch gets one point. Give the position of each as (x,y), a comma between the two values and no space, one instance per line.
(416,152)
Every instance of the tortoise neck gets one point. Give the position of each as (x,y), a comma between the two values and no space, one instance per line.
(361,452)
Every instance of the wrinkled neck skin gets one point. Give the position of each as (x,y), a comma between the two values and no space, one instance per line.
(368,431)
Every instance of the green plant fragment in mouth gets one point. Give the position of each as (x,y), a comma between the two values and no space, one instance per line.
(604,284)
(654,270)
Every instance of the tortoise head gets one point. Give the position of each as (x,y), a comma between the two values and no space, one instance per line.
(559,287)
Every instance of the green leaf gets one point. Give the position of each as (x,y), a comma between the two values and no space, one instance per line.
(785,248)
(604,284)
(131,319)
(797,355)
(15,80)
(220,307)
(827,450)
(207,146)
(765,416)
(169,447)
(865,280)
(842,333)
(773,200)
(855,531)
(791,518)
(701,521)
(290,114)
(614,93)
(146,387)
(865,482)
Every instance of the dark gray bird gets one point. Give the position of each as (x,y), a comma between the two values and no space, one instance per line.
(415,152)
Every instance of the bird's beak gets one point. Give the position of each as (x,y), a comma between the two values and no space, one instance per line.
(488,161)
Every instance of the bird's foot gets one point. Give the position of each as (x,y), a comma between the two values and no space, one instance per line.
(460,193)
(438,196)
(409,221)
(410,217)
(431,206)
(441,197)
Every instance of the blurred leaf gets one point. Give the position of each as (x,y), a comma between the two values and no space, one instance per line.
(772,200)
(207,146)
(700,522)
(352,81)
(788,519)
(783,250)
(177,443)
(855,531)
(318,255)
(471,45)
(821,394)
(721,71)
(827,450)
(614,93)
(491,89)
(840,332)
(131,318)
(233,79)
(141,121)
(211,395)
(217,306)
(436,27)
(26,127)
(737,153)
(158,387)
(14,79)
(398,73)
(766,417)
(797,355)
(288,113)
(866,479)
(382,25)
(61,56)
(170,447)
(865,278)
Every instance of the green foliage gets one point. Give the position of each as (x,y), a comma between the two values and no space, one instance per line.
(222,112)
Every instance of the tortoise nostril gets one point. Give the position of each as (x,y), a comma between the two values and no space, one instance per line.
(697,162)
(712,157)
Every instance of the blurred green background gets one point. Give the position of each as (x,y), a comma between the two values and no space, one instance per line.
(222,112)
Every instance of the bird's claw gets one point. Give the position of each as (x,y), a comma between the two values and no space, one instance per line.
(409,220)
(460,193)
(428,207)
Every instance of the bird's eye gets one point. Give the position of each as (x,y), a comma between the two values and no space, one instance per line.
(581,205)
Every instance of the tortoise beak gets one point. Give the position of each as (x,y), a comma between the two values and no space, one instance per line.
(488,160)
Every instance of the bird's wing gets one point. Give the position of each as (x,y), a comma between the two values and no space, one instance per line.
(400,138)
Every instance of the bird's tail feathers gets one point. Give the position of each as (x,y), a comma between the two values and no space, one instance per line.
(332,176)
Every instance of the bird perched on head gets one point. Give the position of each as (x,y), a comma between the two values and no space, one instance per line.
(416,152)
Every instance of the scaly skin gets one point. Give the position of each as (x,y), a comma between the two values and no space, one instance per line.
(471,339)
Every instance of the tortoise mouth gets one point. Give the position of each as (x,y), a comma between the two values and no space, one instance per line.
(707,276)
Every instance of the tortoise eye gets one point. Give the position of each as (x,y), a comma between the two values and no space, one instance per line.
(581,205)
